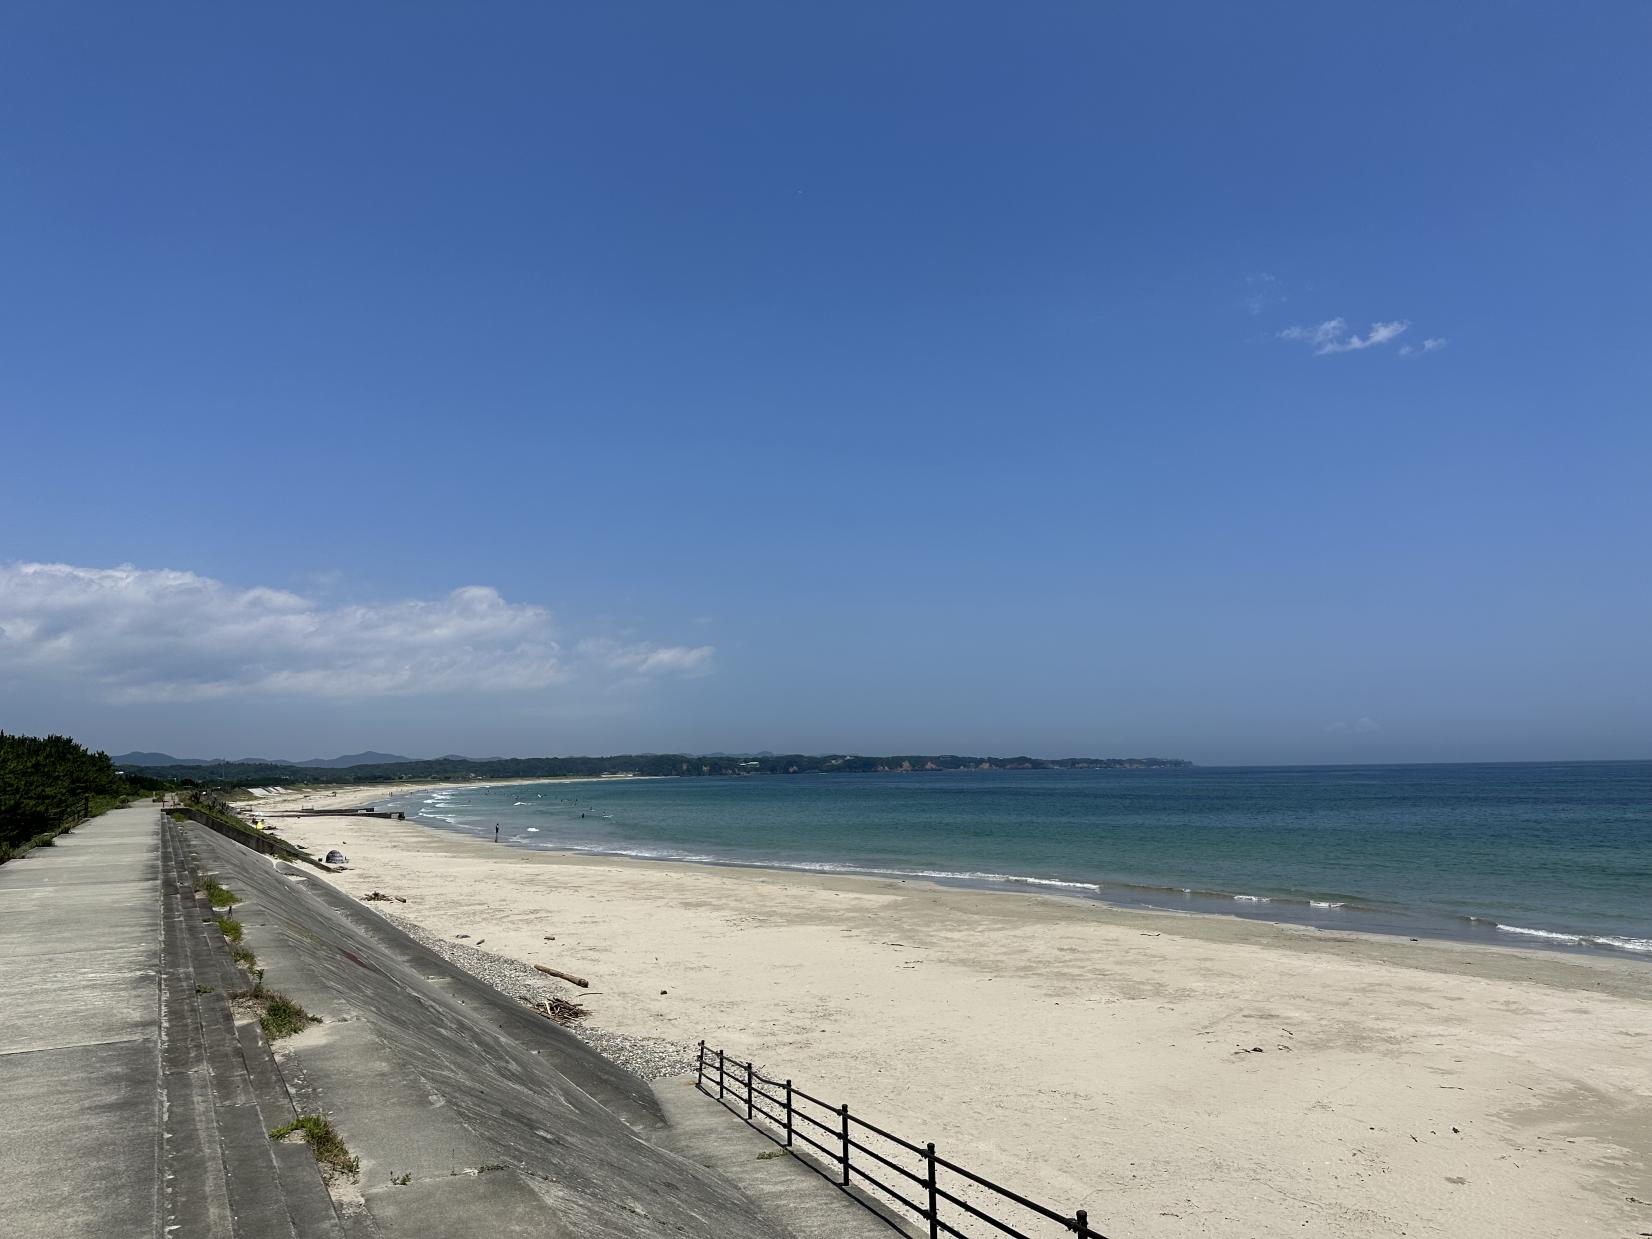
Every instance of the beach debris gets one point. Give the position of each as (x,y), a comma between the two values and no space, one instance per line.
(381,897)
(461,935)
(336,857)
(479,941)
(550,937)
(662,993)
(557,1010)
(563,976)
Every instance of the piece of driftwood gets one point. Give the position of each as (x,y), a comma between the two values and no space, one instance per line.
(563,976)
(557,1010)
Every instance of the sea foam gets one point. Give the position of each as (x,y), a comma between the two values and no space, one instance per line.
(1610,941)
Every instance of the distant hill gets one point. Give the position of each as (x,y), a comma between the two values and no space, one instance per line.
(368,758)
(319,763)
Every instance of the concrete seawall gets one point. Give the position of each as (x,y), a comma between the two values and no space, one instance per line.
(505,1123)
(139,1092)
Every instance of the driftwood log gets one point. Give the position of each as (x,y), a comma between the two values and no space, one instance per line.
(563,976)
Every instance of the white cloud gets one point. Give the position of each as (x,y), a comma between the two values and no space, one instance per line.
(137,634)
(1333,336)
(643,659)
(1430,345)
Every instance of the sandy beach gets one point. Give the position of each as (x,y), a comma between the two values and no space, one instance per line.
(1174,1074)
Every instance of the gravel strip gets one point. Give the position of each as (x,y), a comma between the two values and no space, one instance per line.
(652,1058)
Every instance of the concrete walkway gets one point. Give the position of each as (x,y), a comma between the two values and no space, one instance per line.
(80,1067)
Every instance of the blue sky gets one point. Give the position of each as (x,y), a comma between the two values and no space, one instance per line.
(920,377)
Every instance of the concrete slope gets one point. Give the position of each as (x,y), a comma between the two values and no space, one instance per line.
(506,1124)
(222,1175)
(79,1033)
(802,1197)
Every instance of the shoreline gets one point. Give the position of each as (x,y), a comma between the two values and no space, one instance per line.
(1232,926)
(1339,917)
(1158,1065)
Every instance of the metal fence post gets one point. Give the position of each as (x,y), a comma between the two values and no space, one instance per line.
(748,1090)
(721,1075)
(843,1111)
(1083,1220)
(700,1069)
(934,1204)
(788,1114)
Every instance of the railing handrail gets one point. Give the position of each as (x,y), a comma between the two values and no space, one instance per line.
(732,1073)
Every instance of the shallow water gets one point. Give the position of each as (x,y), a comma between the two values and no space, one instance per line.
(1553,854)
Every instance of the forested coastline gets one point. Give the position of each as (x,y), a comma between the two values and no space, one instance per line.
(48,783)
(444,769)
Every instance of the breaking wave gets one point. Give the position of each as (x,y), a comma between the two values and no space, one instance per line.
(1610,941)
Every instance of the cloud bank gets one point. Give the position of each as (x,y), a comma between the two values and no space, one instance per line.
(135,634)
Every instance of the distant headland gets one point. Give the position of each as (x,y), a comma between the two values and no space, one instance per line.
(447,769)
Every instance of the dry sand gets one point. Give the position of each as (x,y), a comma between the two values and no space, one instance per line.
(1176,1074)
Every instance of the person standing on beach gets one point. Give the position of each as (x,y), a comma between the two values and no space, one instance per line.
(496,832)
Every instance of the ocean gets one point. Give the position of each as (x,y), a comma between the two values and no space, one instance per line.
(1552,854)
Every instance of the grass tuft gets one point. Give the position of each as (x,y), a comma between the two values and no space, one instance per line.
(329,1148)
(229,927)
(282,1016)
(243,956)
(218,895)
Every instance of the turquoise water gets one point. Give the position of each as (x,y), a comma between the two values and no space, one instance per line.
(1535,854)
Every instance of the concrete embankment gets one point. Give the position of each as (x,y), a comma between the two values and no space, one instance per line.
(139,1092)
(470,1114)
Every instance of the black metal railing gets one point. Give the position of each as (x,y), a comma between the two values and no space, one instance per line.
(950,1196)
